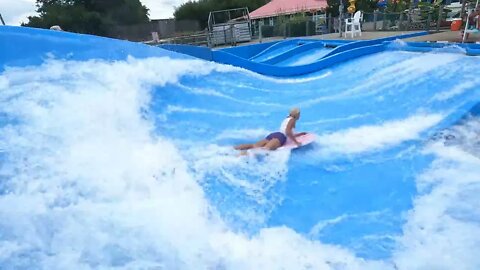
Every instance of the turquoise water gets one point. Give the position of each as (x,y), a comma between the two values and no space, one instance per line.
(110,160)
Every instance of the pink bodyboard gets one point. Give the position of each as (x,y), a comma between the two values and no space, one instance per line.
(304,140)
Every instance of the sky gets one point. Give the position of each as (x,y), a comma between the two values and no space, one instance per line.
(15,12)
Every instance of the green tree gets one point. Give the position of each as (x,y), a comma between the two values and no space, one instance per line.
(397,5)
(199,10)
(332,7)
(367,6)
(88,16)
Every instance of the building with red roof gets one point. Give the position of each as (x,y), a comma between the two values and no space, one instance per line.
(276,8)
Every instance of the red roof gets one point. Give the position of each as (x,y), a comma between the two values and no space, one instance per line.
(282,7)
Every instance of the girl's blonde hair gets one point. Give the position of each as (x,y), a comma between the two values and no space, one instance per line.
(294,112)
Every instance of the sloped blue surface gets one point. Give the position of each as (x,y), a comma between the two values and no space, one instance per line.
(119,155)
(279,59)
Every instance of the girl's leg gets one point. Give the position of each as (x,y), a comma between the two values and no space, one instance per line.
(273,144)
(247,146)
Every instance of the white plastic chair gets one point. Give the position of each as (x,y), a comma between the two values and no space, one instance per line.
(354,24)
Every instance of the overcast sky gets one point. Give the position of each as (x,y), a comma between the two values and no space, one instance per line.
(15,12)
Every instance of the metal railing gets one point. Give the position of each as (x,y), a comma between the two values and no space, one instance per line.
(225,36)
(232,34)
(199,38)
(428,20)
(229,26)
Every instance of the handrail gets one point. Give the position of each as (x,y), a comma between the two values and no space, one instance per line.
(1,19)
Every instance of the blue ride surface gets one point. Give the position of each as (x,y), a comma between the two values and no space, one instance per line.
(290,57)
(119,155)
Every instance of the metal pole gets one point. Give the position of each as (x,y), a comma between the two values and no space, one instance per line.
(429,19)
(209,41)
(306,28)
(375,17)
(340,18)
(260,24)
(400,25)
(330,24)
(410,15)
(384,22)
(466,25)
(232,32)
(440,12)
(462,12)
(224,34)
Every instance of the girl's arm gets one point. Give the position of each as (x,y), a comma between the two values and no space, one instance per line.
(288,131)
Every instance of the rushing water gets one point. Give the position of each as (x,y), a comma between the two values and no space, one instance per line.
(129,164)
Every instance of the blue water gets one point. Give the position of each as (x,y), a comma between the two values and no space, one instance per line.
(111,160)
(279,49)
(274,52)
(306,57)
(321,185)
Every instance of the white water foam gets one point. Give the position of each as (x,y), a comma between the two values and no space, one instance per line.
(310,57)
(468,84)
(333,120)
(375,137)
(88,186)
(396,76)
(443,228)
(251,178)
(211,92)
(173,108)
(289,80)
(249,134)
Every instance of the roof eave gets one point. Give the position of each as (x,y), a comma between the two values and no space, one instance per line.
(253,17)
